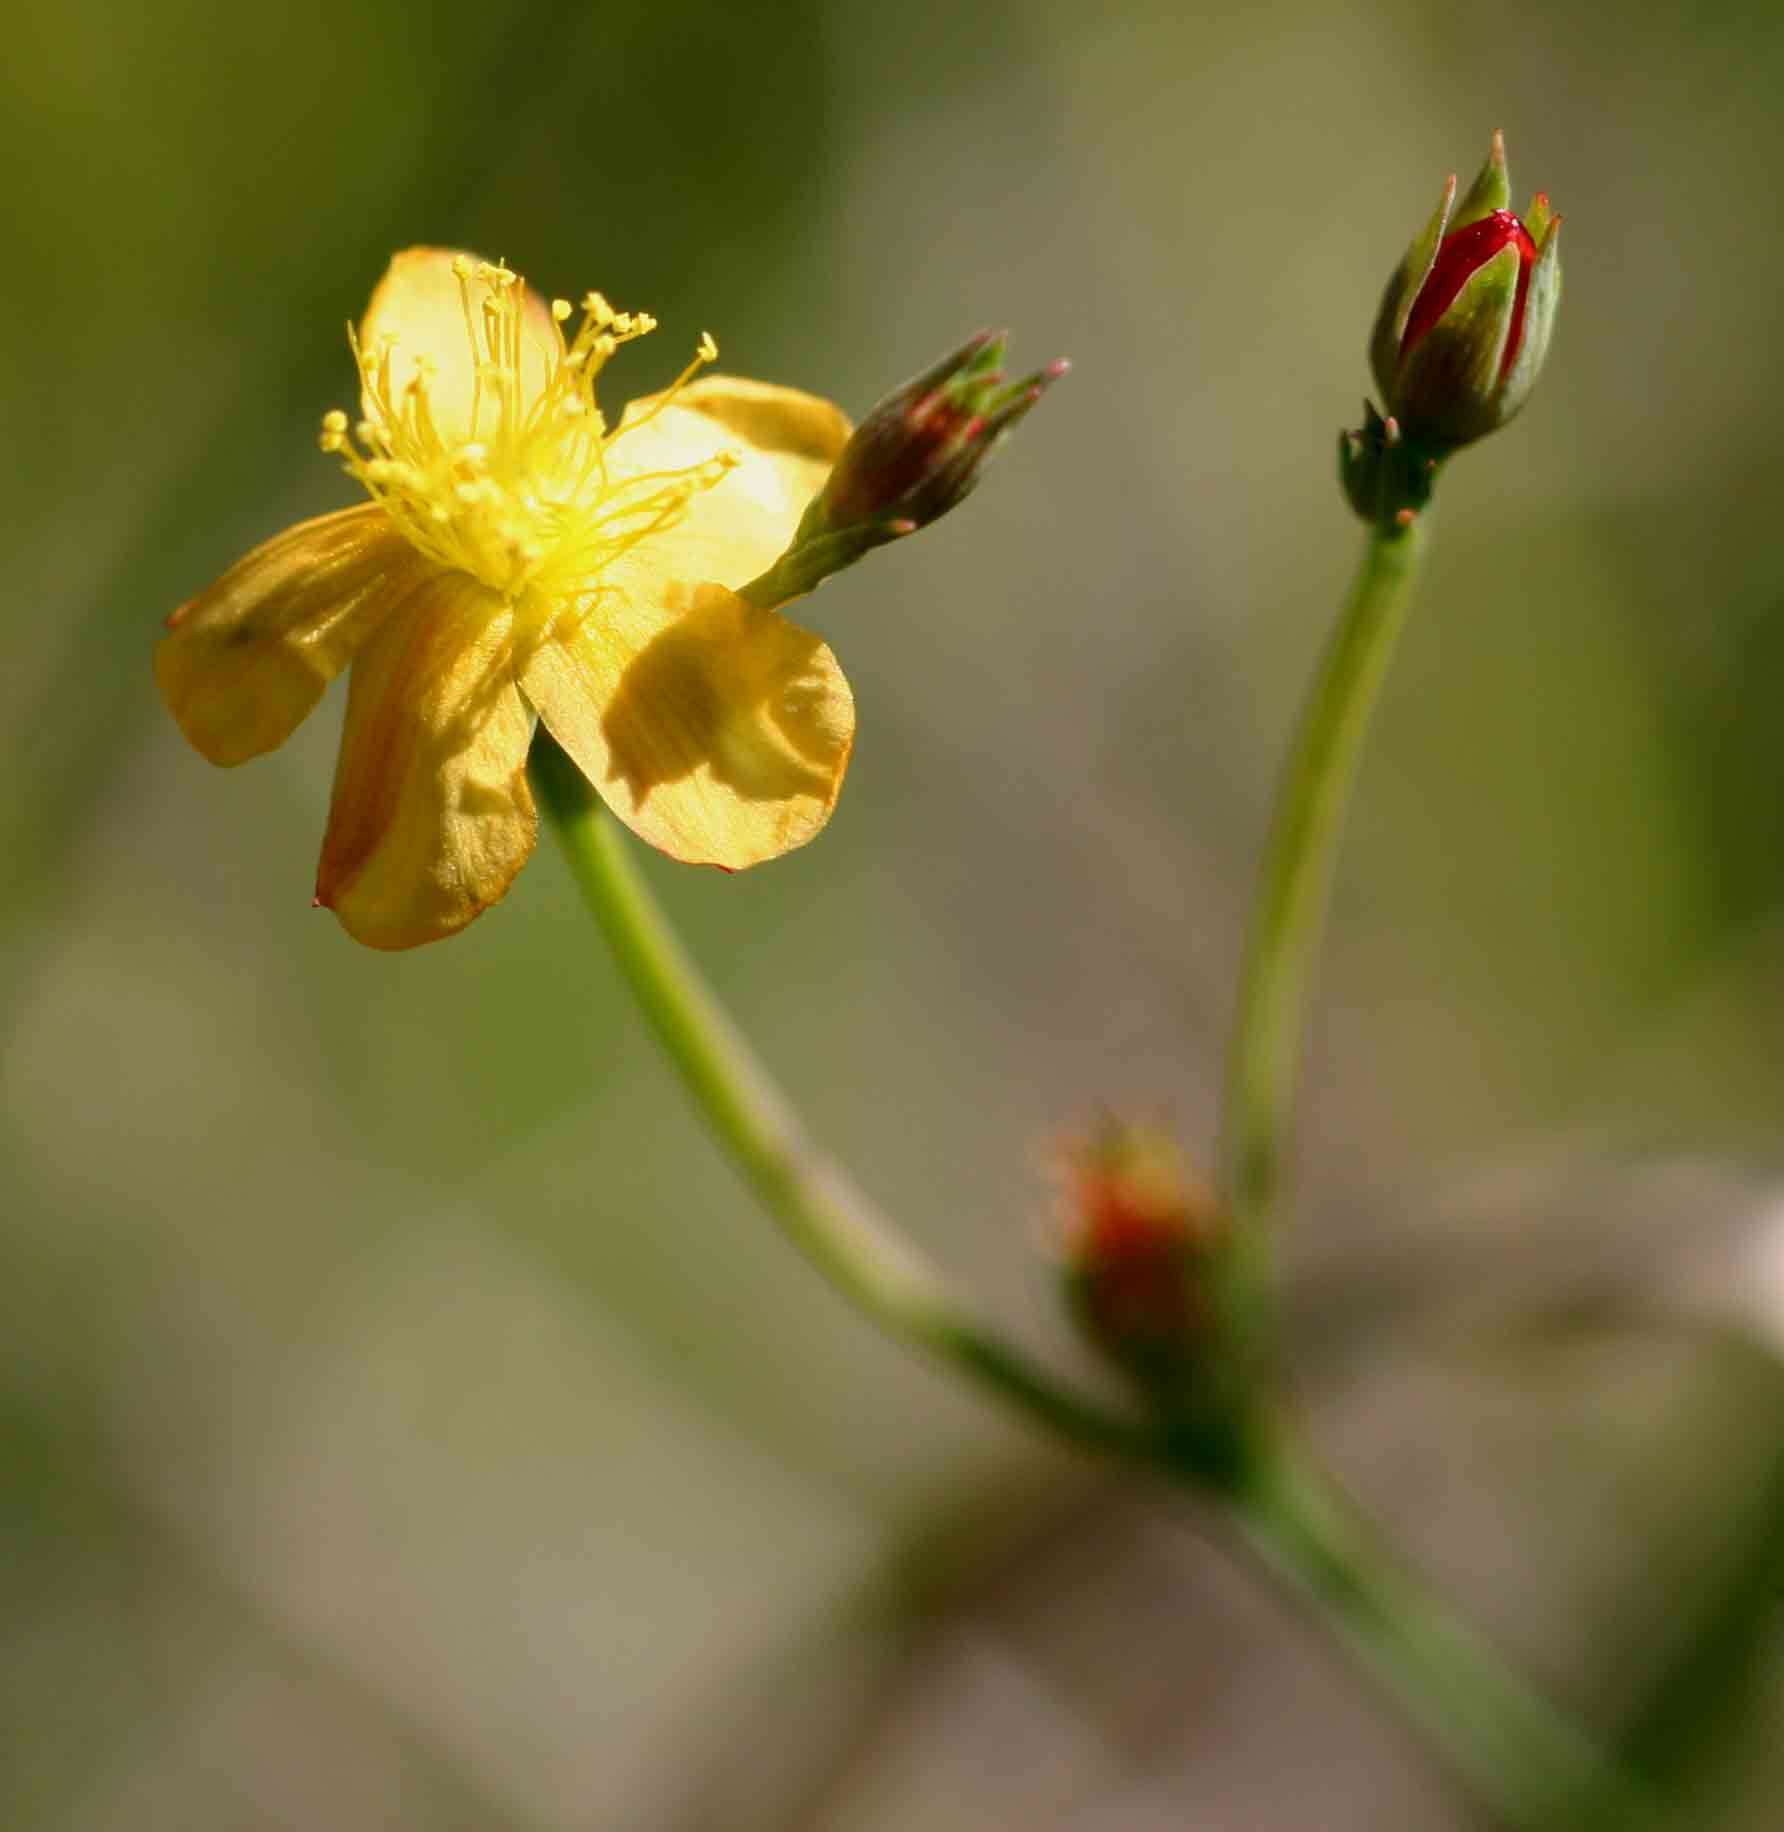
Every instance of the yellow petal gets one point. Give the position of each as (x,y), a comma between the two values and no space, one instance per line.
(785,443)
(773,419)
(717,731)
(431,817)
(243,663)
(420,306)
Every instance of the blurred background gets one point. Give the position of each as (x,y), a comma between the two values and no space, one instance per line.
(405,1419)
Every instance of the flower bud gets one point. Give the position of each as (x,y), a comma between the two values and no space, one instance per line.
(1465,322)
(917,455)
(1141,1228)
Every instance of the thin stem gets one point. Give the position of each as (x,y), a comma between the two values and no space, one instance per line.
(814,1204)
(1503,1738)
(1297,869)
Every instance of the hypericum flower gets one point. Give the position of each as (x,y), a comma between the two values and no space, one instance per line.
(521,558)
(1465,323)
(1139,1223)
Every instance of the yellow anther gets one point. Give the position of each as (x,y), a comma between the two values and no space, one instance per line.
(514,487)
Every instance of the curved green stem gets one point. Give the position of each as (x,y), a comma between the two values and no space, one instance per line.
(1291,900)
(814,1204)
(1504,1739)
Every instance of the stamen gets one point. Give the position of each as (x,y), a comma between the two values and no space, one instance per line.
(706,352)
(518,494)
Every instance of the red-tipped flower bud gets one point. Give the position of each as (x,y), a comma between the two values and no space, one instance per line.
(1465,322)
(1141,1226)
(917,455)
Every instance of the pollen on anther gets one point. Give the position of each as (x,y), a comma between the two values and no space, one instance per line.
(561,309)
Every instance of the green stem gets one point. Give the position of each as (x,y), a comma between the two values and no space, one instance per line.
(1297,869)
(815,1205)
(1503,1738)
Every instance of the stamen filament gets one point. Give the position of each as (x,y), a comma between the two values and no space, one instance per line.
(518,494)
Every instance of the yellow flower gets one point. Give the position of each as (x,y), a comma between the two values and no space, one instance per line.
(522,559)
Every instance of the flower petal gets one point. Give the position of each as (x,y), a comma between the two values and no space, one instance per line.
(420,306)
(785,443)
(773,419)
(243,662)
(431,817)
(716,730)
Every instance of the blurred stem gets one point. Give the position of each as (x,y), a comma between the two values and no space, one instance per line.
(1504,1739)
(810,1199)
(1517,1753)
(1291,901)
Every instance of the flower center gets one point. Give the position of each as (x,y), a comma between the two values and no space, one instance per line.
(510,481)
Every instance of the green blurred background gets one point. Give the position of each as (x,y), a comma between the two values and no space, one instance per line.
(404,1418)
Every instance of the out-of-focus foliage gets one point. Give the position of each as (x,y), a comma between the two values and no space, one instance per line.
(403,1417)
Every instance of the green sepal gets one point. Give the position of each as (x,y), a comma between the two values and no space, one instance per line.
(1540,303)
(1538,217)
(1490,191)
(1404,288)
(1386,478)
(1447,391)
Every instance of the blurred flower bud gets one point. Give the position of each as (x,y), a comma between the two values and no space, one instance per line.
(1465,323)
(1141,1227)
(917,455)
